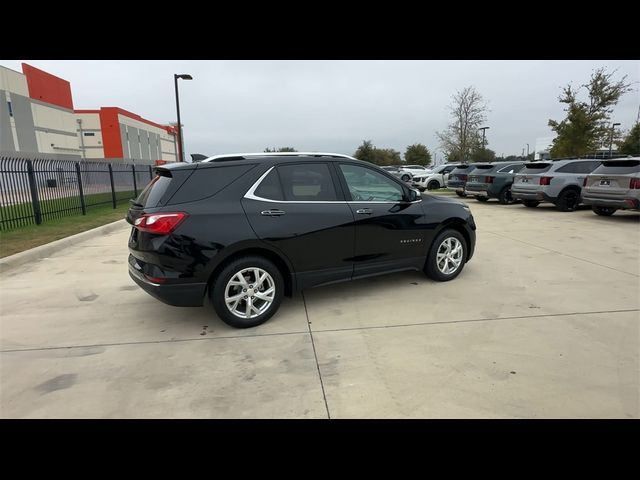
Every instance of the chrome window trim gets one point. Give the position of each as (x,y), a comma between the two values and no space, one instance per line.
(250,195)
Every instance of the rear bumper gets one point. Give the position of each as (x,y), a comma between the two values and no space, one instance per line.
(531,195)
(178,295)
(619,203)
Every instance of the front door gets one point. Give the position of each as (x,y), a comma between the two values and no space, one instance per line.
(299,209)
(390,232)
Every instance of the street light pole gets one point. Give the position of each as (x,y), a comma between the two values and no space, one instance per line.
(183,76)
(611,138)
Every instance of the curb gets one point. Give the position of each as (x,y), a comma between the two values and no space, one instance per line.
(43,251)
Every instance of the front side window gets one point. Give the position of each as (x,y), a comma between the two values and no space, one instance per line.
(308,182)
(367,185)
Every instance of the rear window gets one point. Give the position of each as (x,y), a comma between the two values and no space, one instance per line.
(618,167)
(535,168)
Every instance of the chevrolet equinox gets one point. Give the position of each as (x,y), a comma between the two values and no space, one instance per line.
(247,229)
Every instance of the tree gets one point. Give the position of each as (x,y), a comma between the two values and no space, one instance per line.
(366,152)
(480,154)
(417,154)
(585,128)
(281,149)
(468,111)
(630,145)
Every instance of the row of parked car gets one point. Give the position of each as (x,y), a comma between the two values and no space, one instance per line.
(606,185)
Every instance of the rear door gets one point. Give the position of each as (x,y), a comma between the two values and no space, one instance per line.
(300,210)
(390,233)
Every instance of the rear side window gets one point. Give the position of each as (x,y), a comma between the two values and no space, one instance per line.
(307,182)
(618,167)
(535,168)
(207,181)
(270,187)
(578,167)
(484,167)
(511,168)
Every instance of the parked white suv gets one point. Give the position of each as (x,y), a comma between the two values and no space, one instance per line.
(413,170)
(434,180)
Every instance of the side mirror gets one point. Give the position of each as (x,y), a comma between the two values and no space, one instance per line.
(413,195)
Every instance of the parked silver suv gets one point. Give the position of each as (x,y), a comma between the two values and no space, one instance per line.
(614,185)
(558,181)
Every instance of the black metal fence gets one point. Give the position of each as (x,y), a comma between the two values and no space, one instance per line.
(38,190)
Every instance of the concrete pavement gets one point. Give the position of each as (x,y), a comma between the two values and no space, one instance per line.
(544,322)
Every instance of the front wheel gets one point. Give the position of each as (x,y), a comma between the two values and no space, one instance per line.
(433,185)
(447,256)
(247,292)
(604,211)
(461,194)
(531,203)
(405,178)
(482,199)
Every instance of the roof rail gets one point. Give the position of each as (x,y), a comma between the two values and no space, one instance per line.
(245,156)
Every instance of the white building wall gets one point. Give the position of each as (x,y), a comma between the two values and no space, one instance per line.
(14,82)
(56,129)
(91,134)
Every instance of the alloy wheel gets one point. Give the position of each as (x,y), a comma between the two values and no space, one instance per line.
(249,293)
(449,255)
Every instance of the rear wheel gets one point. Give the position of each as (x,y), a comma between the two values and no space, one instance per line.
(604,211)
(531,203)
(505,197)
(247,292)
(482,199)
(446,258)
(568,200)
(433,185)
(461,194)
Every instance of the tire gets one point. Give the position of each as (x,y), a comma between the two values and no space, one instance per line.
(433,185)
(461,194)
(604,211)
(568,200)
(505,197)
(431,266)
(482,199)
(220,285)
(422,189)
(531,203)
(405,178)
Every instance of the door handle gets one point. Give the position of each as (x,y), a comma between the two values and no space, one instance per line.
(272,213)
(364,211)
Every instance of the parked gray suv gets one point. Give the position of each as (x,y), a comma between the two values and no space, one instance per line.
(556,181)
(614,185)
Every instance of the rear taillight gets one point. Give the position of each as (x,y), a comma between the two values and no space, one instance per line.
(634,184)
(463,177)
(488,179)
(159,223)
(545,180)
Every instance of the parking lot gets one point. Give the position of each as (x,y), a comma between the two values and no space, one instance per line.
(544,322)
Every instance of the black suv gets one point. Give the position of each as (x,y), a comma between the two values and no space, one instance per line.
(247,229)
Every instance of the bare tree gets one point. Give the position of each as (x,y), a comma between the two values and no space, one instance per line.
(468,111)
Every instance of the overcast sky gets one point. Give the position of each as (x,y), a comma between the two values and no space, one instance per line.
(242,106)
